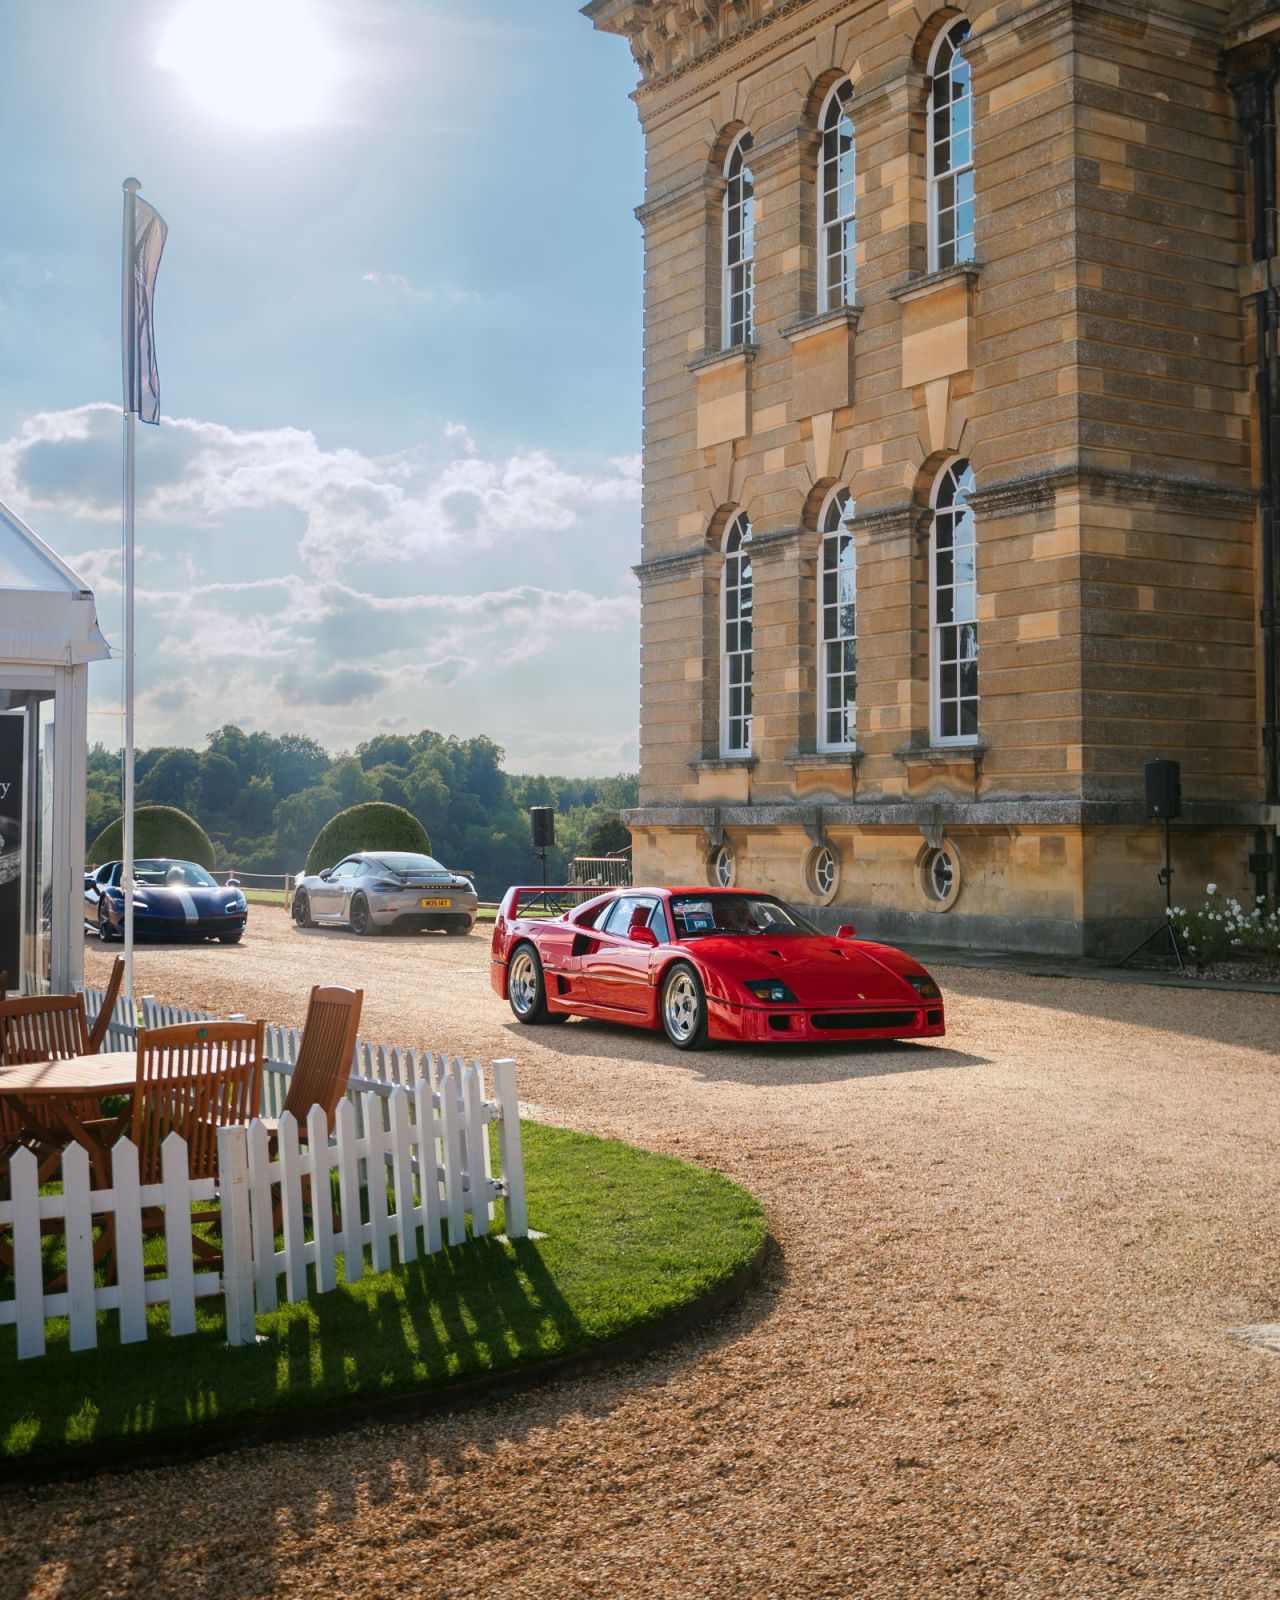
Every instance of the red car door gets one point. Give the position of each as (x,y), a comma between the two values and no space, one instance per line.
(617,969)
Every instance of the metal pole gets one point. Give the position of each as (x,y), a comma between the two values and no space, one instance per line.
(130,330)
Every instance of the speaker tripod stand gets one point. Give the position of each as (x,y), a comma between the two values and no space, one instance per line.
(1165,933)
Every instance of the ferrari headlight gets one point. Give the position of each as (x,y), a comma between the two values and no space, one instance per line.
(771,989)
(924,985)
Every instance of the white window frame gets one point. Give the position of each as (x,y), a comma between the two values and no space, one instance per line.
(739,222)
(955,38)
(835,110)
(957,468)
(737,537)
(843,500)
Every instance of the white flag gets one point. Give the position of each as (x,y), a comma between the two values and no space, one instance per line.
(141,375)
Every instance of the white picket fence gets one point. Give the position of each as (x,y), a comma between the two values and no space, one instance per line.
(411,1149)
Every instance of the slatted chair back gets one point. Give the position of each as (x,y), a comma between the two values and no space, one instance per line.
(191,1080)
(47,1027)
(102,1022)
(325,1053)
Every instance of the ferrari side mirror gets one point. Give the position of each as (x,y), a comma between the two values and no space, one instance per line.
(846,930)
(644,936)
(326,873)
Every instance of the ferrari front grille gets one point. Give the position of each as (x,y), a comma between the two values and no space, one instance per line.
(842,1021)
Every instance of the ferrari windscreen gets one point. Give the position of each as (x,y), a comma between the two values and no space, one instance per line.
(172,875)
(703,915)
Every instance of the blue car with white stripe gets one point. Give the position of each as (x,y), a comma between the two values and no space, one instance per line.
(171,900)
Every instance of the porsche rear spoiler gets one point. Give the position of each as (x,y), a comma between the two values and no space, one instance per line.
(551,900)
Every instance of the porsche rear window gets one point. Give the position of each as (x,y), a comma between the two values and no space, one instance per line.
(698,916)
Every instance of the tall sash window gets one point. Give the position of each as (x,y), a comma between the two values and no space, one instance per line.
(735,653)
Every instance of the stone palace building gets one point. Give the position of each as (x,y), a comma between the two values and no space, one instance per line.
(959,503)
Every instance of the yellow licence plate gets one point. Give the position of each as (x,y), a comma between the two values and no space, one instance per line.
(428,903)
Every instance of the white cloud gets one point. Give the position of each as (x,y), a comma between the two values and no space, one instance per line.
(432,294)
(353,506)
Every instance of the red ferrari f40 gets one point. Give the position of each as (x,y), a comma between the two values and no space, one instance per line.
(705,964)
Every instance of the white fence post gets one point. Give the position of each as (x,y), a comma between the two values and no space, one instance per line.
(131,1274)
(78,1226)
(504,1089)
(429,1144)
(295,1260)
(237,1234)
(344,1128)
(179,1267)
(28,1267)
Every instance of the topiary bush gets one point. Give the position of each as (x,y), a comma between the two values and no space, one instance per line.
(372,825)
(157,831)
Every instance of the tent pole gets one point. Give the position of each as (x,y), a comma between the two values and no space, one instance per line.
(131,187)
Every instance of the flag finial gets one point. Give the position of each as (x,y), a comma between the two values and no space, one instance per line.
(131,183)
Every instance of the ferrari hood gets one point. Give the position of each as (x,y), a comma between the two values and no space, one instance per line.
(819,971)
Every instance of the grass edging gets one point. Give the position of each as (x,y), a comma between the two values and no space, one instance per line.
(199,1442)
(632,1248)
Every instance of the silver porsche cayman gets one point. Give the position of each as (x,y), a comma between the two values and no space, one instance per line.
(375,891)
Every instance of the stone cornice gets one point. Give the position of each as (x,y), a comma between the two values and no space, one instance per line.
(917,286)
(662,568)
(1201,496)
(777,540)
(822,322)
(669,37)
(890,523)
(1027,811)
(706,183)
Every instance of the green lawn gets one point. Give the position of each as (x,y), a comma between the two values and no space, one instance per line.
(630,1236)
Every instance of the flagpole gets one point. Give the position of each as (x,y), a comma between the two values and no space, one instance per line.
(129,309)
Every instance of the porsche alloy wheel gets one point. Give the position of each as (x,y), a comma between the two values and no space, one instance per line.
(361,917)
(302,909)
(684,1008)
(525,990)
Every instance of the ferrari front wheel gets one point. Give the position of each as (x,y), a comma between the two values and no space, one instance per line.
(684,1008)
(526,987)
(105,931)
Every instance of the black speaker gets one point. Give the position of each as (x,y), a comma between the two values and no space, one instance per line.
(1164,788)
(543,819)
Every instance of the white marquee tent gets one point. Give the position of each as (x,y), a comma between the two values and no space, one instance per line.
(48,635)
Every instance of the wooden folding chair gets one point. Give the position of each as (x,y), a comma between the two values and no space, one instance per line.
(49,1027)
(324,1056)
(191,1081)
(102,1022)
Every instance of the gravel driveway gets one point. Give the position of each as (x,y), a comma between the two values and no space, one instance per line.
(991,1357)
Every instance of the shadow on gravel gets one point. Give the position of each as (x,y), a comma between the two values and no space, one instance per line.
(1220,1016)
(326,1488)
(765,1065)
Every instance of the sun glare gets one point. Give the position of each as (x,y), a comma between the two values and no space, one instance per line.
(264,64)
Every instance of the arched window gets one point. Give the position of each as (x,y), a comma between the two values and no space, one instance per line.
(735,640)
(953,607)
(837,201)
(739,244)
(950,151)
(837,628)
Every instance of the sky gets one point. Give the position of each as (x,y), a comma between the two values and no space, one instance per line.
(396,480)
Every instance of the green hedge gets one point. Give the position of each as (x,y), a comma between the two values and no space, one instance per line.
(372,825)
(157,831)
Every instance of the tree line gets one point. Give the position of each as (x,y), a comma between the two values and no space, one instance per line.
(262,798)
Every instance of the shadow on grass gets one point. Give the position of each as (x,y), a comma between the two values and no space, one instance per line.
(631,1238)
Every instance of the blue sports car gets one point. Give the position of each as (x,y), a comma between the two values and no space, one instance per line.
(171,900)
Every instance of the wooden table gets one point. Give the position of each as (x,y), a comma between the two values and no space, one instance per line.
(43,1097)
